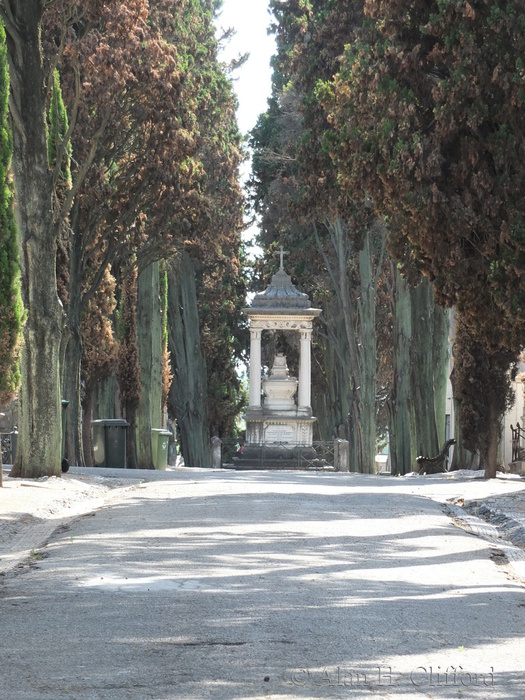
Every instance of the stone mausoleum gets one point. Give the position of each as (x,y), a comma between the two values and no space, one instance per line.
(279,420)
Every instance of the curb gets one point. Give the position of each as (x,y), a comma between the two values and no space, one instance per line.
(508,527)
(491,533)
(37,534)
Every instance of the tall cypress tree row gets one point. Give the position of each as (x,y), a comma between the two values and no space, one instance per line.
(296,189)
(11,311)
(427,110)
(10,299)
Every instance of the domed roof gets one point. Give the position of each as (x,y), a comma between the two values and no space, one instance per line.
(281,294)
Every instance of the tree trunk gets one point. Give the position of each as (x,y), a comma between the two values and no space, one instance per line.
(490,459)
(130,414)
(187,397)
(149,338)
(330,401)
(74,451)
(400,433)
(87,437)
(100,402)
(106,398)
(461,458)
(367,357)
(40,436)
(340,244)
(441,356)
(321,401)
(128,369)
(71,372)
(358,324)
(423,370)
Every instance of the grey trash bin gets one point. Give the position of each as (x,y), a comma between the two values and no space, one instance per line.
(109,442)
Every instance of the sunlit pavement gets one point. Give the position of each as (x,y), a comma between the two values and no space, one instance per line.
(216,584)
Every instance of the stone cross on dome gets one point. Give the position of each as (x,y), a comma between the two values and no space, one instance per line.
(282,253)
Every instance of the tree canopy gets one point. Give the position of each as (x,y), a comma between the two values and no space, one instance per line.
(427,110)
(141,156)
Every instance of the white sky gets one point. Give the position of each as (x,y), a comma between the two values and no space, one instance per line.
(252,82)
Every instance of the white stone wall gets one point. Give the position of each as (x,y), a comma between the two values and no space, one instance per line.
(513,416)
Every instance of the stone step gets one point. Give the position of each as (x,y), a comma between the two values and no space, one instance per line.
(276,464)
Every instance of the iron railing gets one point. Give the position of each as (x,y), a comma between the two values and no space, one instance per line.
(8,445)
(320,456)
(230,448)
(518,442)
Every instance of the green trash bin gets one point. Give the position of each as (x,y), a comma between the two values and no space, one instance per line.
(159,447)
(109,442)
(65,463)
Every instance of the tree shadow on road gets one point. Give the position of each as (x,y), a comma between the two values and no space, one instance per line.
(196,596)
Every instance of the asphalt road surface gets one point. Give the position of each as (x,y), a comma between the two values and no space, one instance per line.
(244,586)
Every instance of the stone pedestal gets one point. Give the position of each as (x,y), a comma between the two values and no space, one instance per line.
(280,430)
(279,388)
(279,426)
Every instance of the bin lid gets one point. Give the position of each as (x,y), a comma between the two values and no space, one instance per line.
(161,431)
(111,422)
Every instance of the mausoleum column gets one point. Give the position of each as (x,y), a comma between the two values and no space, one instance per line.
(304,391)
(255,368)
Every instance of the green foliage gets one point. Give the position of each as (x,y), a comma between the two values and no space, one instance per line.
(59,152)
(296,192)
(155,123)
(167,375)
(444,119)
(57,131)
(479,373)
(99,346)
(163,284)
(11,310)
(215,242)
(128,369)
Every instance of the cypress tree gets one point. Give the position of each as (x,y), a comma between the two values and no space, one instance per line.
(128,368)
(167,375)
(11,311)
(58,128)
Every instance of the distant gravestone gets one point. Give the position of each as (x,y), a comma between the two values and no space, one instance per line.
(216,453)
